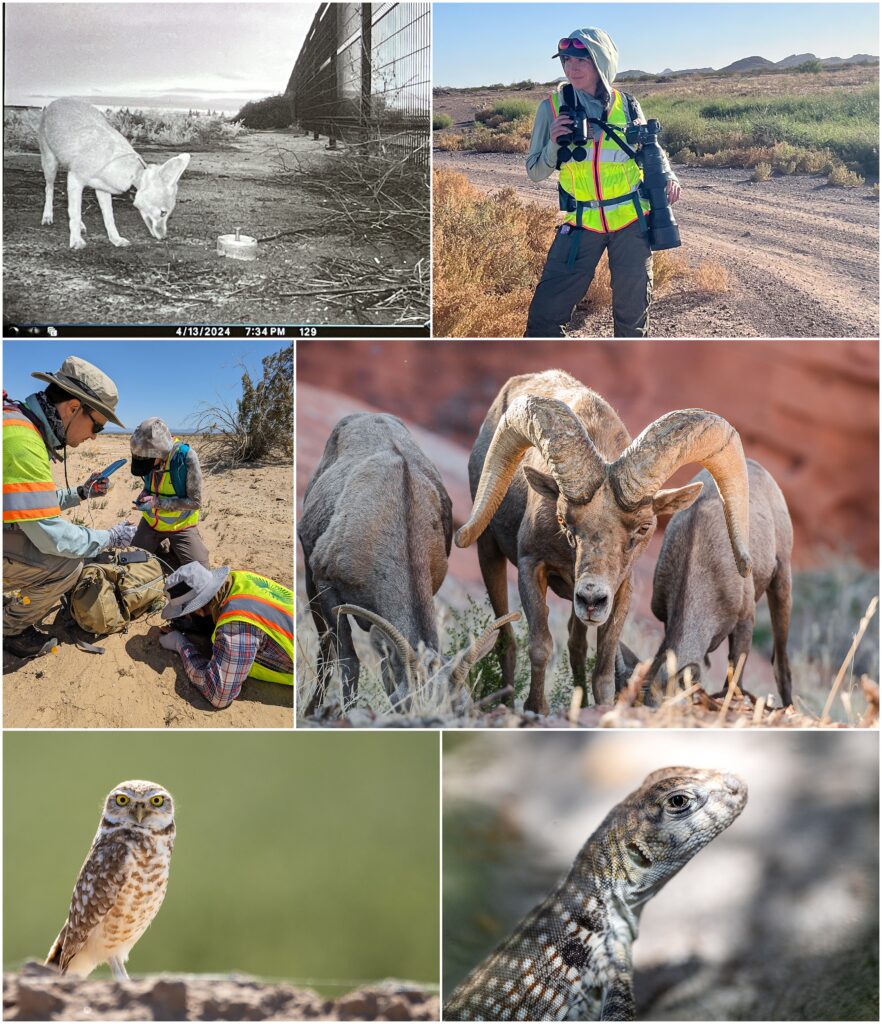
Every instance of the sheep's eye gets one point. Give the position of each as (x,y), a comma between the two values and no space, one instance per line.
(121,799)
(157,801)
(642,531)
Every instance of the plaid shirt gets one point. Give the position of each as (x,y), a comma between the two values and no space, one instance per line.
(236,647)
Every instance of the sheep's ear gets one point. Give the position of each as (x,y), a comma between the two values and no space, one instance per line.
(541,483)
(675,499)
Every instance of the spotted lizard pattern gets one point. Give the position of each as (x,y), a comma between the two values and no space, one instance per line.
(570,958)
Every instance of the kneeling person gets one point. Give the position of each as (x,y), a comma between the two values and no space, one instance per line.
(253,629)
(172,495)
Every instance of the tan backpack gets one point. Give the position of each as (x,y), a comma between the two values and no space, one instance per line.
(112,590)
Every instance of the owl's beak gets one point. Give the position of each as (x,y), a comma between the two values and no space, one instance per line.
(140,812)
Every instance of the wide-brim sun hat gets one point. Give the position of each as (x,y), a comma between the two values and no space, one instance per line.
(86,382)
(194,587)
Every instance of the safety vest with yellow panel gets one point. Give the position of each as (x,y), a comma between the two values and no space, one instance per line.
(29,492)
(600,192)
(269,606)
(170,481)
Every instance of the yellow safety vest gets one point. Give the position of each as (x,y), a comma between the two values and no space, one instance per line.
(607,174)
(29,492)
(269,606)
(163,520)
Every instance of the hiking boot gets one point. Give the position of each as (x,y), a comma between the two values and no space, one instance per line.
(29,644)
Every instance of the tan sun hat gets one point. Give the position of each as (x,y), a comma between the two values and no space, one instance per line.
(86,382)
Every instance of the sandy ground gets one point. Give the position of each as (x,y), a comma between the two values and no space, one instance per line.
(802,257)
(181,279)
(246,524)
(39,993)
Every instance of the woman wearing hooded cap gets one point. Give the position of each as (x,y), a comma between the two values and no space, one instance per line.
(172,496)
(597,189)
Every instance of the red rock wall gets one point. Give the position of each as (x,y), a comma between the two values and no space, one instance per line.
(808,410)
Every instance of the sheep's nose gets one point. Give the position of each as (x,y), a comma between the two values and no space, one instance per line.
(592,601)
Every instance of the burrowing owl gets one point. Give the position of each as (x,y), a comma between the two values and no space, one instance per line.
(122,883)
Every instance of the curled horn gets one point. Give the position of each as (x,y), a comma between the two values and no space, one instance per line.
(407,654)
(672,441)
(477,649)
(556,431)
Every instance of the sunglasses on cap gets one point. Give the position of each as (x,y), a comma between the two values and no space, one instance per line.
(573,44)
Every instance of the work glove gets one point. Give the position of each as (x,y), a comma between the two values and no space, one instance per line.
(173,641)
(95,487)
(121,535)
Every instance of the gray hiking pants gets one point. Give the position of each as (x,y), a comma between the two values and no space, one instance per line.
(184,545)
(43,585)
(563,285)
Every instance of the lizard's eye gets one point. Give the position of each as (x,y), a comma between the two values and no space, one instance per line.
(677,802)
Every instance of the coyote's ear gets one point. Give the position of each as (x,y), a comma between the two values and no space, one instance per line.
(172,169)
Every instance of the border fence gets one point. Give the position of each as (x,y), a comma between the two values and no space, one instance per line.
(363,75)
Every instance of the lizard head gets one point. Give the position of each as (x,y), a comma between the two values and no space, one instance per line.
(673,815)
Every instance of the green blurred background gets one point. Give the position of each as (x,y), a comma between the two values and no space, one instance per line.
(299,856)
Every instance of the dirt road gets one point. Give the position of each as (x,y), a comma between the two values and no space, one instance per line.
(802,257)
(182,279)
(246,524)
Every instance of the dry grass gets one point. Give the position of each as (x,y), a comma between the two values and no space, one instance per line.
(488,256)
(489,252)
(842,177)
(762,171)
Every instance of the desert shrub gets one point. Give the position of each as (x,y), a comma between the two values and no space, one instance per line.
(173,128)
(510,110)
(488,254)
(271,112)
(809,66)
(842,177)
(721,132)
(441,121)
(449,143)
(260,427)
(524,85)
(762,171)
(485,678)
(20,130)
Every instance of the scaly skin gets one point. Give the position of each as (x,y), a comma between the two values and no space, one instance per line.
(570,958)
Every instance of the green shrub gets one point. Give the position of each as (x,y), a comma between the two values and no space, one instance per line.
(271,112)
(441,121)
(842,177)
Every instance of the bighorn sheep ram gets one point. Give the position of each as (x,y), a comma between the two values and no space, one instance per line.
(578,512)
(698,595)
(376,530)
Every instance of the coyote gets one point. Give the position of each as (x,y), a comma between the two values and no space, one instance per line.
(76,136)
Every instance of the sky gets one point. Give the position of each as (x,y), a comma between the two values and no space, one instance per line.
(479,44)
(176,55)
(166,379)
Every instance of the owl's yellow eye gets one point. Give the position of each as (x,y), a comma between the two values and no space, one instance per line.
(157,801)
(121,799)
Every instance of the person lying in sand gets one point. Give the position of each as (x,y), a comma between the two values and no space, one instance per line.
(253,629)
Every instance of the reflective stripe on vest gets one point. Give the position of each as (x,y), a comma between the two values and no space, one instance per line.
(269,606)
(29,492)
(606,174)
(165,520)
